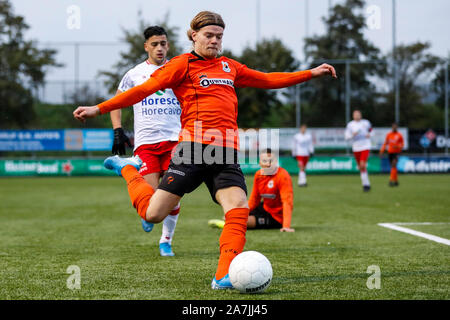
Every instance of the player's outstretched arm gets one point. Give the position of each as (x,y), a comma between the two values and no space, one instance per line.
(125,99)
(323,70)
(247,77)
(82,113)
(287,199)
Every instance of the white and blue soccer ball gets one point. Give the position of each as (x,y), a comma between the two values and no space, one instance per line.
(250,272)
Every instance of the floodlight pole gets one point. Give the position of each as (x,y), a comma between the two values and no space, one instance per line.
(446,108)
(298,118)
(307,18)
(76,66)
(258,25)
(347,95)
(347,92)
(396,84)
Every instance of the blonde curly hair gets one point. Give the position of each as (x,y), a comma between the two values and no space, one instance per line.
(203,19)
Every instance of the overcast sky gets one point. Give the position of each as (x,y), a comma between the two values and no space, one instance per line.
(102,20)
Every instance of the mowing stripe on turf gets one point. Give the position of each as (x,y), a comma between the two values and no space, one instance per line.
(415,233)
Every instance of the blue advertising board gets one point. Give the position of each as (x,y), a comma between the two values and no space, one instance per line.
(97,139)
(31,140)
(56,140)
(419,164)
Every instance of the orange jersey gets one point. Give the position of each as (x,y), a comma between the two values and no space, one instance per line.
(276,192)
(394,142)
(205,89)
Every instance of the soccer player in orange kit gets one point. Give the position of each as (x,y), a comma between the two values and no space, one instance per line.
(207,151)
(394,143)
(273,185)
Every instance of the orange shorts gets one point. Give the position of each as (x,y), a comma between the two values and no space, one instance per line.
(155,157)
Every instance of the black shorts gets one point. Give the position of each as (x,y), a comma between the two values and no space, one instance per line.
(188,169)
(264,220)
(392,157)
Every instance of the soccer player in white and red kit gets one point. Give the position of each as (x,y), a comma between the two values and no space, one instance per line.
(302,149)
(156,126)
(359,131)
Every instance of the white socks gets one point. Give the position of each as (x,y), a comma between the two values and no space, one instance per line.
(365,178)
(302,177)
(168,227)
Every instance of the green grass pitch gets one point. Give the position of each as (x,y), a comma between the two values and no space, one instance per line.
(49,224)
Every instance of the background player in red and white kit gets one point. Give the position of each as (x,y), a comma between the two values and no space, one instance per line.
(156,126)
(302,150)
(359,131)
(394,143)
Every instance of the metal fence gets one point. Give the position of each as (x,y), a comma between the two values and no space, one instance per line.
(82,64)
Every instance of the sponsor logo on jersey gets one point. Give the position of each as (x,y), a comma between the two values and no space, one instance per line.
(160,111)
(268,195)
(205,82)
(181,173)
(159,101)
(143,167)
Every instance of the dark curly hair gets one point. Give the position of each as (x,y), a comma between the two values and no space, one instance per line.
(154,31)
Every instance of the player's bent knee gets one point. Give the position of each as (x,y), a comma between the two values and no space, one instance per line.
(240,202)
(154,218)
(231,198)
(161,204)
(157,215)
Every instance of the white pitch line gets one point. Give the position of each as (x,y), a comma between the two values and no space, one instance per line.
(415,233)
(418,223)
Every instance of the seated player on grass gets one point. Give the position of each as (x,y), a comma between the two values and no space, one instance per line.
(273,185)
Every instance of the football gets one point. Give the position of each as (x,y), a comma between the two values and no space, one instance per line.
(250,272)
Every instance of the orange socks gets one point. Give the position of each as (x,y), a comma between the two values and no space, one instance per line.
(393,174)
(232,239)
(139,190)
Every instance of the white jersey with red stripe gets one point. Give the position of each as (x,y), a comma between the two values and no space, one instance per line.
(302,145)
(157,117)
(359,133)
